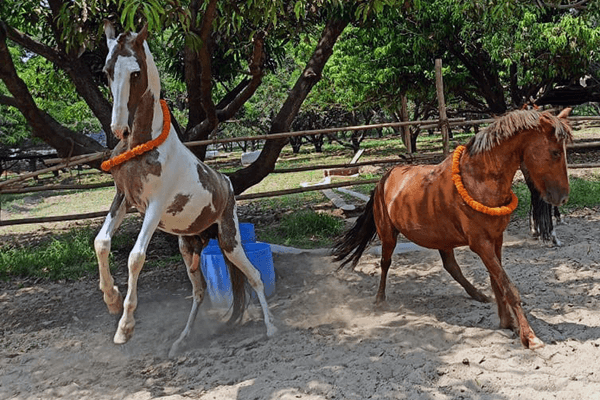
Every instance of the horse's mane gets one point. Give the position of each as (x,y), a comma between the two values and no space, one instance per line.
(510,124)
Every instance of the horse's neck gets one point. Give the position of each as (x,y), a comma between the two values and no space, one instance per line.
(491,173)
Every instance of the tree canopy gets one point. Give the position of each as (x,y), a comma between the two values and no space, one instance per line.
(258,61)
(497,55)
(218,50)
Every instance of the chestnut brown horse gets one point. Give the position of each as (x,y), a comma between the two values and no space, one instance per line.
(466,201)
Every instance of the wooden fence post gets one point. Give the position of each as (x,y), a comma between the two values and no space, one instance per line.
(406,128)
(439,86)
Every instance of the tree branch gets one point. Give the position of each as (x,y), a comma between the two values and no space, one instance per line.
(256,72)
(255,172)
(34,46)
(8,101)
(65,141)
(579,5)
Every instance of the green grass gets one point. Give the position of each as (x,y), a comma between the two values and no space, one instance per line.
(304,229)
(67,256)
(584,193)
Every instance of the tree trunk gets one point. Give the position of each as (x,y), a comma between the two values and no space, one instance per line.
(265,164)
(66,142)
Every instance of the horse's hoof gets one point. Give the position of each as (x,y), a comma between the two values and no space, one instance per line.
(510,325)
(535,343)
(271,331)
(487,299)
(382,305)
(122,337)
(482,298)
(174,349)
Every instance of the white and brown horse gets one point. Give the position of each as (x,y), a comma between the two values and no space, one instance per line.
(177,193)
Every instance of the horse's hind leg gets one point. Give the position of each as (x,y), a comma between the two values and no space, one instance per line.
(557,215)
(190,249)
(230,243)
(450,265)
(388,244)
(388,236)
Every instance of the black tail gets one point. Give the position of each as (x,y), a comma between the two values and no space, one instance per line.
(237,277)
(353,243)
(541,214)
(238,288)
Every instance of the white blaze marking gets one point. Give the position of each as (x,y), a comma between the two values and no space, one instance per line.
(120,85)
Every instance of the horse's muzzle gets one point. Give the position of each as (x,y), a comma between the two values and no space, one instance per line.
(556,197)
(120,132)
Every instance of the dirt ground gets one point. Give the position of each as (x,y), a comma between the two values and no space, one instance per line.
(431,342)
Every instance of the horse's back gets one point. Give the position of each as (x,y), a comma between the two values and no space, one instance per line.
(420,201)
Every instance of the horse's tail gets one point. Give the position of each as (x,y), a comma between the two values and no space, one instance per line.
(238,288)
(351,245)
(540,212)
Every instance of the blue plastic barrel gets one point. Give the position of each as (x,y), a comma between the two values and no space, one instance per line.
(246,232)
(217,275)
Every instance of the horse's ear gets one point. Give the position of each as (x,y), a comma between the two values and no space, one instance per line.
(143,34)
(109,30)
(565,113)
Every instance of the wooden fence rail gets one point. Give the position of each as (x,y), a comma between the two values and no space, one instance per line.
(96,156)
(87,158)
(395,160)
(249,196)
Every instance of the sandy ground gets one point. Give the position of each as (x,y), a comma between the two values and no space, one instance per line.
(431,342)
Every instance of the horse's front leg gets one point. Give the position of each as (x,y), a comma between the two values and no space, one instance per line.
(118,209)
(134,265)
(507,295)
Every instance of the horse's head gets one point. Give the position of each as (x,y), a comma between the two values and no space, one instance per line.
(544,157)
(132,76)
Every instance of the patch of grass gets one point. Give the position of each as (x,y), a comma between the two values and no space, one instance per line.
(290,202)
(524,196)
(584,193)
(304,229)
(67,256)
(53,202)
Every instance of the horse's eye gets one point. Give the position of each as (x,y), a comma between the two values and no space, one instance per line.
(135,75)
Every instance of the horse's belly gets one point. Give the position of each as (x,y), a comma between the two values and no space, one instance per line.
(433,237)
(185,217)
(428,222)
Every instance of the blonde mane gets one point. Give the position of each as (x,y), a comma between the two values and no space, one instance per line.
(512,123)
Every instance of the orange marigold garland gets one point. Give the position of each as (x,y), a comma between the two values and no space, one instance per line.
(497,211)
(144,147)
